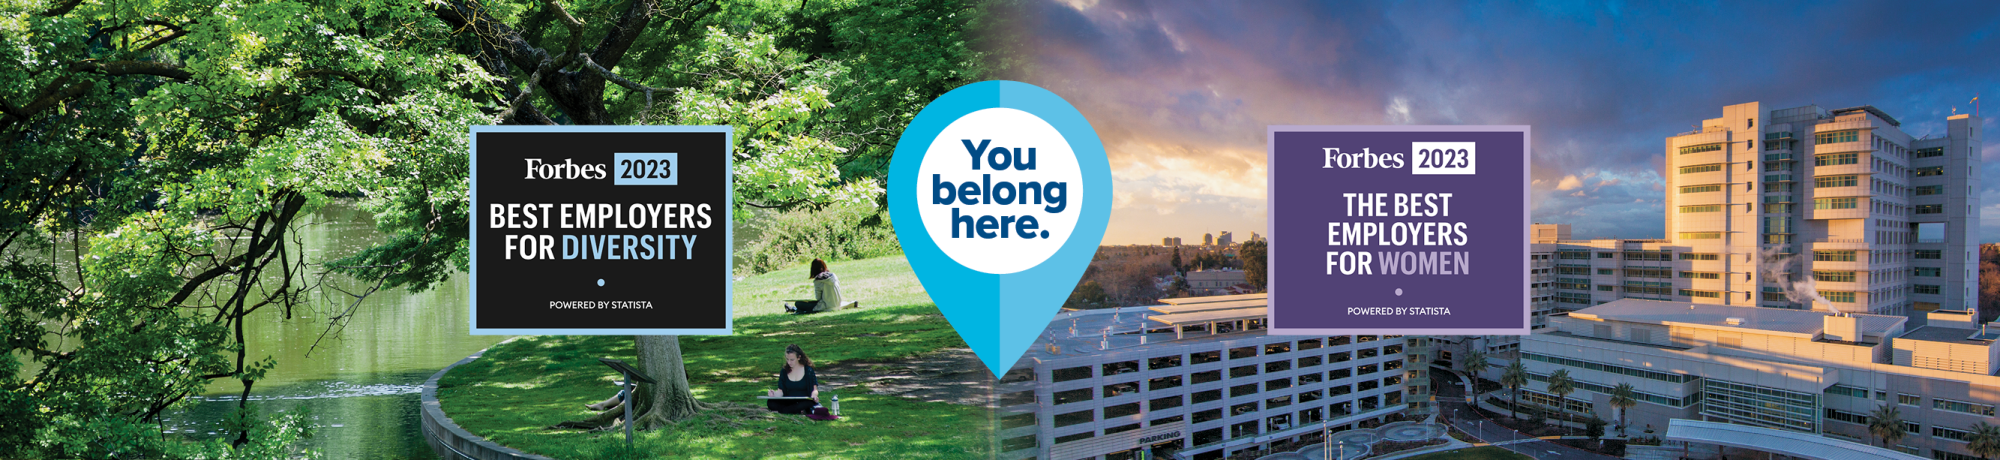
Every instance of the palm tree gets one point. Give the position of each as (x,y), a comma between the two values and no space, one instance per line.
(1515,377)
(1886,423)
(1985,440)
(1475,362)
(1623,397)
(1561,385)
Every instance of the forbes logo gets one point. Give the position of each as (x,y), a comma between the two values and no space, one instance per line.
(1362,160)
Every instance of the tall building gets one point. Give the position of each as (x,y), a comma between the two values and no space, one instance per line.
(1785,371)
(1254,237)
(1170,241)
(1224,239)
(1208,239)
(1799,208)
(1197,377)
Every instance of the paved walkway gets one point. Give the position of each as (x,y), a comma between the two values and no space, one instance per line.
(1356,443)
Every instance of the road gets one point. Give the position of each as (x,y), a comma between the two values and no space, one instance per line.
(1451,399)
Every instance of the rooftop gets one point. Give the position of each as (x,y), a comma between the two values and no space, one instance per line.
(1090,332)
(1949,335)
(1871,110)
(1800,322)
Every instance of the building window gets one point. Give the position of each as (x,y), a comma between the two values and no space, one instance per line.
(1924,190)
(1701,168)
(1206,357)
(1928,172)
(1930,209)
(1606,288)
(1072,418)
(1701,235)
(1208,415)
(1833,276)
(1702,188)
(1072,396)
(1927,153)
(1836,159)
(1701,148)
(1844,416)
(1837,136)
(1208,436)
(1930,254)
(1833,256)
(1838,296)
(1276,348)
(1073,373)
(1844,390)
(1116,389)
(1951,434)
(1701,208)
(1018,443)
(1164,362)
(1606,255)
(1908,399)
(1242,352)
(1929,289)
(1930,271)
(1703,294)
(1962,407)
(1835,181)
(1698,256)
(1834,203)
(1207,396)
(1242,371)
(1308,344)
(1121,410)
(1205,376)
(1243,390)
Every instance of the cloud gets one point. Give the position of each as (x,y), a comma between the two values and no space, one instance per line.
(1182,93)
(1569,182)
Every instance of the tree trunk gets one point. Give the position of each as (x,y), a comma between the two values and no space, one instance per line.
(669,400)
(653,405)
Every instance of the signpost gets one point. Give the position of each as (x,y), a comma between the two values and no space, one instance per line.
(625,390)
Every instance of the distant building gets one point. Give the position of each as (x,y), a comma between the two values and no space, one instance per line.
(1170,241)
(1204,282)
(1254,237)
(1224,239)
(1208,239)
(1549,233)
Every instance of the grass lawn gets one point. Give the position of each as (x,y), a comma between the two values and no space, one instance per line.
(1476,453)
(520,387)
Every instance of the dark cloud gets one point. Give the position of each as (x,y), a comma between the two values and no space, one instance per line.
(1182,92)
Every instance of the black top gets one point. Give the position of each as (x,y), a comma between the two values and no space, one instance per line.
(796,388)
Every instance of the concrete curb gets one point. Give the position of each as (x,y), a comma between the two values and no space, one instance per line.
(451,442)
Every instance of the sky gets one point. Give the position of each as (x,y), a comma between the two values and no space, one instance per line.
(1181,92)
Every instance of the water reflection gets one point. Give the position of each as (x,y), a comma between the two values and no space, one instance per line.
(360,382)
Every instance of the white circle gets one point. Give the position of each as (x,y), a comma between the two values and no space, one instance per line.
(951,161)
(1399,292)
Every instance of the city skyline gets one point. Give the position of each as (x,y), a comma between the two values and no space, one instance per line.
(1182,95)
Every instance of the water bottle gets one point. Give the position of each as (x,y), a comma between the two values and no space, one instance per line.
(836,405)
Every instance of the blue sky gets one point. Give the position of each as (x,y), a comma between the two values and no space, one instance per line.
(1181,92)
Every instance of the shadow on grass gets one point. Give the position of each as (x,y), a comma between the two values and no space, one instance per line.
(517,389)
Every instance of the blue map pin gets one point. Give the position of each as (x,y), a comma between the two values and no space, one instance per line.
(1000,192)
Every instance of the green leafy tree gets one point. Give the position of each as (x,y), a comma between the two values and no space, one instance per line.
(1886,423)
(1180,270)
(1515,377)
(1254,258)
(1984,441)
(1473,363)
(1561,385)
(156,158)
(1594,428)
(1623,397)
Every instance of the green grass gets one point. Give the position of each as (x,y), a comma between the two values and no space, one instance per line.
(518,388)
(1476,453)
(876,282)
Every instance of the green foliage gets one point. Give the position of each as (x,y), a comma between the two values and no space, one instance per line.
(850,232)
(1088,295)
(1594,427)
(1255,260)
(880,281)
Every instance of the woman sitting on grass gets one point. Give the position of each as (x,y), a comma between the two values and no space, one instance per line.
(796,379)
(826,291)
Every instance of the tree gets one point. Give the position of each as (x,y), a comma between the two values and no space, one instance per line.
(1984,441)
(1474,362)
(1088,295)
(1594,428)
(167,151)
(1254,270)
(1180,270)
(1561,385)
(1515,377)
(1623,397)
(1886,423)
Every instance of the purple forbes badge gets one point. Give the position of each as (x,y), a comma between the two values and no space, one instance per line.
(1399,230)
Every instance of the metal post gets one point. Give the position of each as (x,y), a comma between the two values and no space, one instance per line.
(626,395)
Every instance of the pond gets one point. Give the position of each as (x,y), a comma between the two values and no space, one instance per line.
(360,382)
